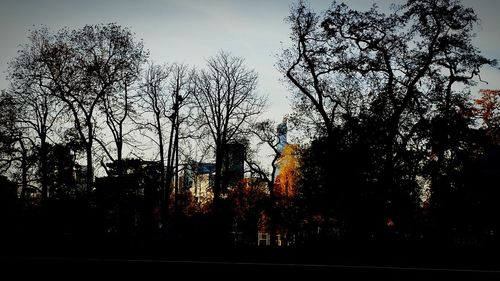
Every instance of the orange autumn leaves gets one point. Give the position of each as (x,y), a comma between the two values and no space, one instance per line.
(286,181)
(488,107)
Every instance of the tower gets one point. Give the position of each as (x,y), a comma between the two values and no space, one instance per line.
(282,132)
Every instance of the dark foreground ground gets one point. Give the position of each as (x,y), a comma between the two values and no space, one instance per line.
(332,262)
(146,269)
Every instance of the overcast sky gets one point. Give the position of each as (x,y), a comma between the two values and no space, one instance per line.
(190,31)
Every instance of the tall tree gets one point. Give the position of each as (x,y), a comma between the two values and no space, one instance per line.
(266,134)
(167,90)
(182,87)
(81,68)
(388,69)
(18,146)
(227,101)
(118,105)
(8,130)
(37,106)
(155,101)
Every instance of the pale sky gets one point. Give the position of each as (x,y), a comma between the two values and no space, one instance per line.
(190,31)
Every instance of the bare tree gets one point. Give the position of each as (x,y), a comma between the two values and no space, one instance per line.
(118,107)
(83,67)
(8,130)
(167,90)
(266,133)
(227,101)
(17,146)
(182,88)
(155,101)
(37,107)
(402,65)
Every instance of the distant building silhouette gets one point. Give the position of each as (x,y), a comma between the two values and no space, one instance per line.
(199,181)
(282,131)
(199,178)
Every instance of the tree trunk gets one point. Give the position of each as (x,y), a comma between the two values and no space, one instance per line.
(43,169)
(176,152)
(273,213)
(388,177)
(219,157)
(219,216)
(88,150)
(119,147)
(162,161)
(24,172)
(165,179)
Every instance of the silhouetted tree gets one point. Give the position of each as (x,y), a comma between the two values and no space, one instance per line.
(18,147)
(373,81)
(156,102)
(61,181)
(227,101)
(8,131)
(266,133)
(182,87)
(82,67)
(249,202)
(118,105)
(127,201)
(38,109)
(167,91)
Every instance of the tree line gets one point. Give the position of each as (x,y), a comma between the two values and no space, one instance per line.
(92,90)
(401,147)
(398,145)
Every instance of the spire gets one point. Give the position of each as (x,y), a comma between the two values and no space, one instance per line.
(282,132)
